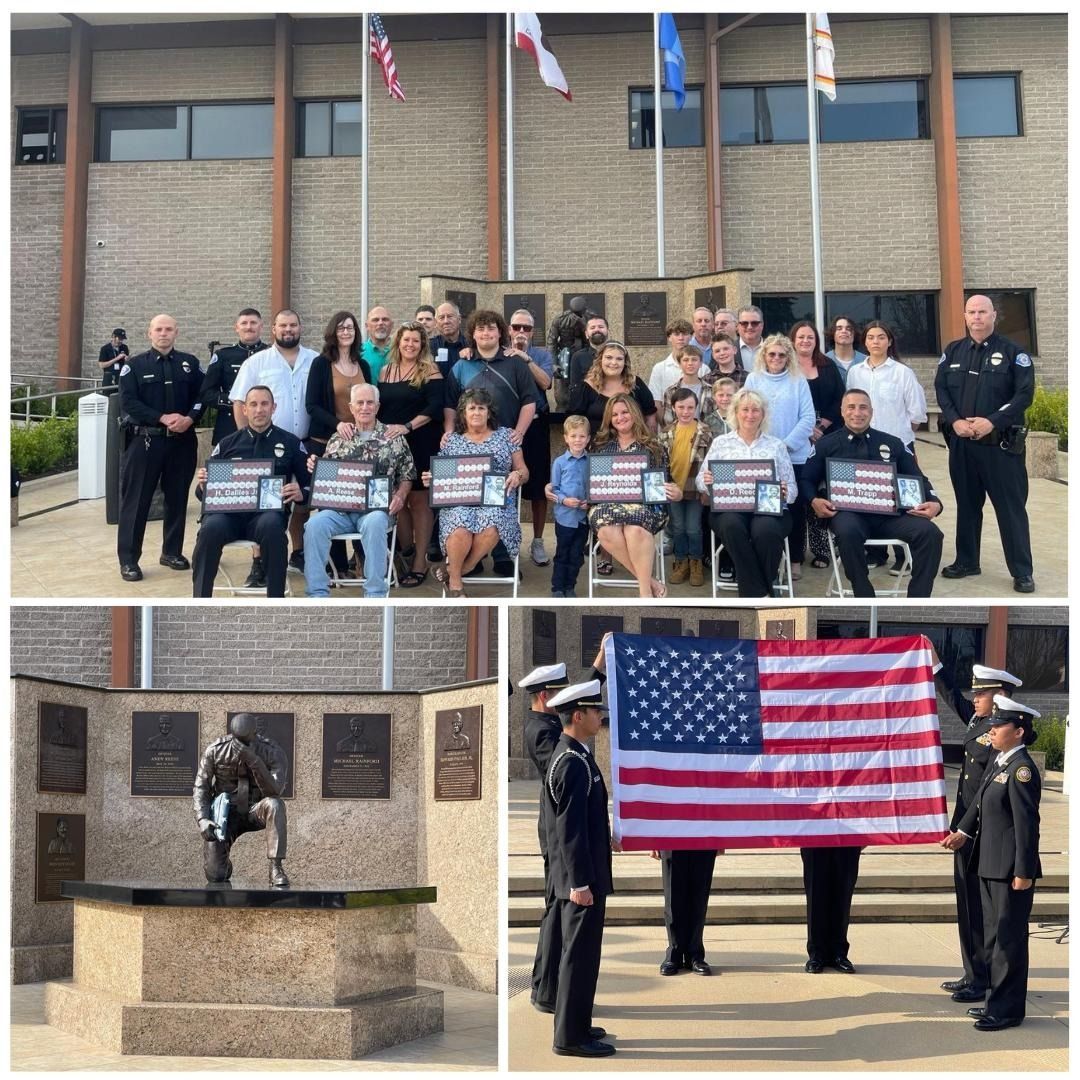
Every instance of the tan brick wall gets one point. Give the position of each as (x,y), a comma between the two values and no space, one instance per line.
(1014,192)
(148,75)
(191,238)
(40,79)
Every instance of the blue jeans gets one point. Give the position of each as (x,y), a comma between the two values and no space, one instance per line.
(686,529)
(372,526)
(570,541)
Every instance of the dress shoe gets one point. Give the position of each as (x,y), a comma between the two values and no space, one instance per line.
(504,567)
(957,570)
(699,967)
(592,1048)
(256,578)
(278,878)
(814,967)
(175,562)
(597,1032)
(969,993)
(1024,584)
(669,967)
(977,1011)
(539,1007)
(997,1023)
(955,984)
(842,963)
(131,572)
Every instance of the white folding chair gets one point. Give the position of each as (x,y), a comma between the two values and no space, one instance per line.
(836,586)
(339,582)
(596,580)
(782,586)
(241,590)
(496,579)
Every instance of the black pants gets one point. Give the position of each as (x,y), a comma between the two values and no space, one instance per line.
(687,882)
(224,425)
(268,814)
(545,975)
(829,876)
(978,470)
(267,529)
(1005,932)
(170,459)
(969,921)
(755,543)
(582,930)
(798,521)
(852,530)
(570,544)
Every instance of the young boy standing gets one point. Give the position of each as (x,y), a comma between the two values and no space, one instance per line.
(567,490)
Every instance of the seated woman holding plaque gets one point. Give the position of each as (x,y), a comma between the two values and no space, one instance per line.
(753,539)
(628,529)
(468,533)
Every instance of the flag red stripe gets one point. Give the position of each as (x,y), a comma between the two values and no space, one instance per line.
(525,42)
(721,843)
(838,680)
(812,778)
(861,710)
(915,740)
(840,647)
(827,811)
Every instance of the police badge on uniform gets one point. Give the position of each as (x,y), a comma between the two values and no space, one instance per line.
(997,359)
(1001,778)
(279,449)
(885,452)
(186,366)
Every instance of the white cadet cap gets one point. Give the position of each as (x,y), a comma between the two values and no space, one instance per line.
(988,678)
(1006,711)
(545,677)
(583,695)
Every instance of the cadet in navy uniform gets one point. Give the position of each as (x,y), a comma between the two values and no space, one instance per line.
(260,440)
(985,683)
(579,853)
(984,385)
(159,404)
(222,369)
(858,441)
(1004,821)
(542,731)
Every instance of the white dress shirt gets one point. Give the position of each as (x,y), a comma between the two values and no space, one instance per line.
(667,373)
(287,384)
(898,400)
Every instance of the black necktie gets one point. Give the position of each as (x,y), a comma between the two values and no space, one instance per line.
(971,382)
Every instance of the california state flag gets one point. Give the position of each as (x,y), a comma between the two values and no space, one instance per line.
(530,37)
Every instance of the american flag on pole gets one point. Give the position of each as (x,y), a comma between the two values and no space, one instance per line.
(381,51)
(721,743)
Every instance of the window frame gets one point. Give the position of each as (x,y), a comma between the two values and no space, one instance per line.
(301,103)
(1029,293)
(53,110)
(1015,76)
(631,90)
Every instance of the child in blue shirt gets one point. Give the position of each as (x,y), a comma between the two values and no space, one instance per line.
(567,490)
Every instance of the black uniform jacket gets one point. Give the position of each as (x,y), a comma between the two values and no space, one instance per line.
(274,444)
(221,373)
(579,839)
(1005,387)
(1004,819)
(542,731)
(977,755)
(143,389)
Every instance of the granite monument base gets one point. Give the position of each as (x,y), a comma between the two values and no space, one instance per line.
(238,971)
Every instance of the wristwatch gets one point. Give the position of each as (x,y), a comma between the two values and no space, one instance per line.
(408,425)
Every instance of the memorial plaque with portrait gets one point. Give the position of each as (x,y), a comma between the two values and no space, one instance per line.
(59,854)
(61,748)
(735,480)
(164,753)
(544,630)
(459,481)
(645,318)
(596,302)
(536,305)
(864,487)
(356,755)
(281,728)
(616,478)
(458,745)
(593,629)
(232,487)
(779,629)
(718,628)
(714,297)
(341,485)
(657,627)
(466,301)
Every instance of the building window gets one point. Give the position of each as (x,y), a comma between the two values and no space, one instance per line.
(183,132)
(328,128)
(912,316)
(683,127)
(1040,656)
(987,105)
(763,114)
(42,134)
(1016,315)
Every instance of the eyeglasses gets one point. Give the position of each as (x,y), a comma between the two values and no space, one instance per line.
(755,322)
(522,327)
(776,356)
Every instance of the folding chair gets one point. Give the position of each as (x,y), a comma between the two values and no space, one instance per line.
(241,590)
(495,579)
(613,582)
(782,586)
(836,586)
(339,582)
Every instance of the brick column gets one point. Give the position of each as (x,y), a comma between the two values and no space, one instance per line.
(122,673)
(997,638)
(478,643)
(284,147)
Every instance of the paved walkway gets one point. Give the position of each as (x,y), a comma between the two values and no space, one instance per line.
(70,551)
(468,1043)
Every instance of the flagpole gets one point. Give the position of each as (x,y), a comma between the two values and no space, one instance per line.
(815,192)
(365,34)
(510,269)
(658,130)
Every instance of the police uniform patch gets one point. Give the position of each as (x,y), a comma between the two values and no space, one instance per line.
(279,449)
(213,360)
(1023,360)
(984,740)
(1023,774)
(124,370)
(942,360)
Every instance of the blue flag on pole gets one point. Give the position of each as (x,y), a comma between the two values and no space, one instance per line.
(674,60)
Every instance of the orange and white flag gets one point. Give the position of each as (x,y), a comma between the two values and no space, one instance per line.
(823,56)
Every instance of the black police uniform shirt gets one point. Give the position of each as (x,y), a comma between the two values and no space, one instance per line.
(542,731)
(274,444)
(995,380)
(871,445)
(221,373)
(145,390)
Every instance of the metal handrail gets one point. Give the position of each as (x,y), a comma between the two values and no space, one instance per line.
(27,416)
(38,377)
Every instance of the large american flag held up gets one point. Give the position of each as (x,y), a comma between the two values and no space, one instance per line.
(384,56)
(867,487)
(722,743)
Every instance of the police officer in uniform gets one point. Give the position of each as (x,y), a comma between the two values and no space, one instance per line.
(1004,822)
(579,854)
(159,404)
(984,385)
(222,369)
(858,441)
(542,731)
(260,440)
(985,683)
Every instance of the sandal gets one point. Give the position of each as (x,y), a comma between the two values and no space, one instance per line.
(820,564)
(604,567)
(413,579)
(455,594)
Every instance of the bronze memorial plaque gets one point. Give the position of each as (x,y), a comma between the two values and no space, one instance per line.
(59,854)
(644,318)
(458,742)
(718,628)
(536,305)
(544,633)
(779,629)
(356,755)
(61,748)
(281,727)
(713,298)
(164,753)
(593,629)
(661,627)
(596,302)
(466,301)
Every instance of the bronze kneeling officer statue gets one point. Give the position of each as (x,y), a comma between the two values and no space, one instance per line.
(237,790)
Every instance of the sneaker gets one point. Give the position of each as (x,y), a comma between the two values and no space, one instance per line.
(256,579)
(296,562)
(537,552)
(558,595)
(504,567)
(726,573)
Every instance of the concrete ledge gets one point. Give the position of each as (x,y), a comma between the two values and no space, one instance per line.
(1042,455)
(38,963)
(473,971)
(262,1031)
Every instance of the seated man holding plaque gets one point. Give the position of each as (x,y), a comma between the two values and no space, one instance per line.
(266,518)
(392,466)
(868,512)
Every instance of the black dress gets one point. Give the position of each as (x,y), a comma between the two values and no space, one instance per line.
(590,403)
(400,402)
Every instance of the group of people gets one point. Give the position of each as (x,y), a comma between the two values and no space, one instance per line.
(994,832)
(435,386)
